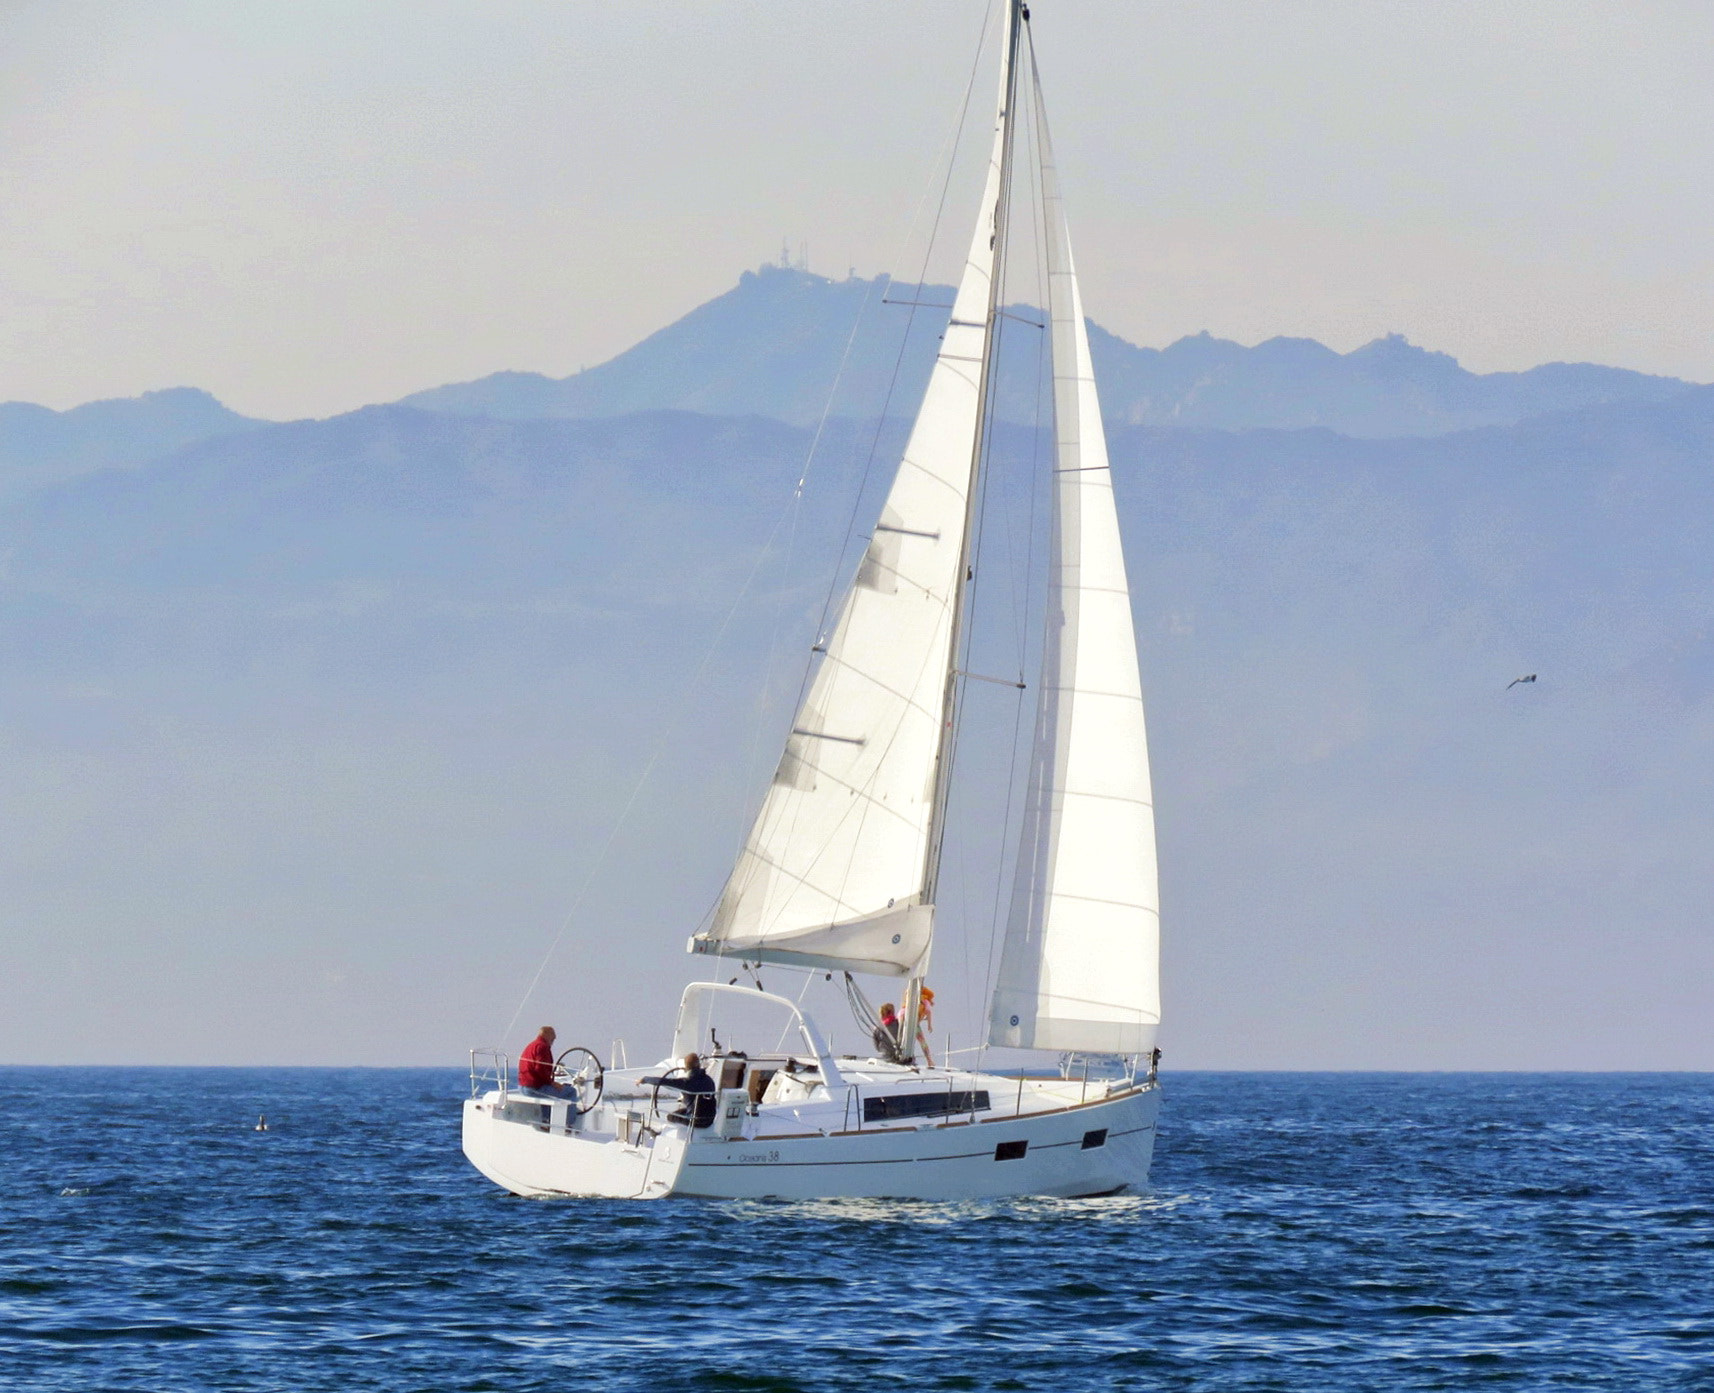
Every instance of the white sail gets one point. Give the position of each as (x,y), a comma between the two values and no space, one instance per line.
(1080,967)
(832,872)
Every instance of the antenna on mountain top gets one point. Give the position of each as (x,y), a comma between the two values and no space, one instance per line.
(785,253)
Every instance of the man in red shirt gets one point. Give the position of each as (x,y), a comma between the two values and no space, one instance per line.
(535,1064)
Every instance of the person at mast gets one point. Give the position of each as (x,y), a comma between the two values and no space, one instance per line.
(925,1023)
(886,1035)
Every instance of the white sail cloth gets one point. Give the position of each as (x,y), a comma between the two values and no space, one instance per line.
(1080,967)
(832,872)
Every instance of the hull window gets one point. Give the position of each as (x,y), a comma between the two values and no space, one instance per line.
(1098,1137)
(903,1105)
(1011,1150)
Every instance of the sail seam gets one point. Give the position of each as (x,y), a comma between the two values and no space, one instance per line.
(856,792)
(955,490)
(763,931)
(1110,797)
(1092,692)
(911,703)
(1096,899)
(1141,1012)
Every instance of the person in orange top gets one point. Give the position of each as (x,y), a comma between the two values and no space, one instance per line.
(535,1064)
(925,1022)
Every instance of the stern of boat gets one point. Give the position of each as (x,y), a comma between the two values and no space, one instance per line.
(541,1147)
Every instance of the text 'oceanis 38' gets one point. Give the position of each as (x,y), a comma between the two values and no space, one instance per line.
(839,875)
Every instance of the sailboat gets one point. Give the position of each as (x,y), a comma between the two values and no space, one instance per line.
(841,869)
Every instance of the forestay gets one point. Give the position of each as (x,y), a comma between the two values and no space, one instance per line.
(1080,967)
(832,872)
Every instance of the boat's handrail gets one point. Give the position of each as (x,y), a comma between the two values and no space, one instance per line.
(490,1069)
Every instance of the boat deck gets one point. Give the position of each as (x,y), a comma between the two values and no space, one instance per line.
(772,1098)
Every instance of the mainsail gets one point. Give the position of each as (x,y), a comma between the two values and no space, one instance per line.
(1080,967)
(833,871)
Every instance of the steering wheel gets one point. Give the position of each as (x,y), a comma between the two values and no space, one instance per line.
(655,1097)
(582,1070)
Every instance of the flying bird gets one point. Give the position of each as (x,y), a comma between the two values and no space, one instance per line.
(1514,682)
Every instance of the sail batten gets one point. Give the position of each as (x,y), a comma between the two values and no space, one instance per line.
(834,869)
(1080,966)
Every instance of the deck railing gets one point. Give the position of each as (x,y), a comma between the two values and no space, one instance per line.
(489,1069)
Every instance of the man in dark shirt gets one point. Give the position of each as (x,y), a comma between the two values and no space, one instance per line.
(697,1107)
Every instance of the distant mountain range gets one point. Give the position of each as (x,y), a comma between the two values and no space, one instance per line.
(774,345)
(341,711)
(789,346)
(39,446)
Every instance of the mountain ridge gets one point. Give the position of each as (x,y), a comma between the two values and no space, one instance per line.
(789,344)
(41,446)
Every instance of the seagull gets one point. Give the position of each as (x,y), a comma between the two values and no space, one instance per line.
(1514,682)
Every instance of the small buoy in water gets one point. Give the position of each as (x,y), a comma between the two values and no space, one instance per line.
(262,1123)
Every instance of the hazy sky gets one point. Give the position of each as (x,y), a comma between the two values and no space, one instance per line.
(306,207)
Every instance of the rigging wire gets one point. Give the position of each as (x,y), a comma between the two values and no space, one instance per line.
(791,543)
(1044,367)
(947,157)
(947,754)
(1038,208)
(791,512)
(861,1010)
(803,991)
(1000,492)
(862,809)
(989,451)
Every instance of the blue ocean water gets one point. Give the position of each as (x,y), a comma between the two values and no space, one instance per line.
(1303,1232)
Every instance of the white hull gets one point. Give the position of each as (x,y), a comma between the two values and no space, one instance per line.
(1038,1139)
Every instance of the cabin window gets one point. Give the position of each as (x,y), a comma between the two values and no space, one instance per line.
(1011,1150)
(1098,1137)
(897,1106)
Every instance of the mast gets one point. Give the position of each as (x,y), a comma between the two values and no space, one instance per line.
(1017,15)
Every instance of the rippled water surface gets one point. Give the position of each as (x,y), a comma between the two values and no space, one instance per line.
(1303,1232)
